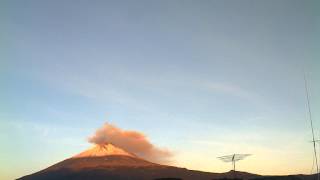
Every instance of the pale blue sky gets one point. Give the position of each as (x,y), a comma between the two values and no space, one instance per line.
(202,78)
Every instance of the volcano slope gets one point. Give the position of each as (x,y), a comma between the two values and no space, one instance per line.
(108,162)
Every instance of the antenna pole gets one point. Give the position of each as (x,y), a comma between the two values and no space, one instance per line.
(233,159)
(234,168)
(234,163)
(311,123)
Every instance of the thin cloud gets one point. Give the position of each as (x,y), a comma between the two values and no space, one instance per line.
(233,90)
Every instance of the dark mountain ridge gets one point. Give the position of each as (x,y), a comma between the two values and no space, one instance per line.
(107,162)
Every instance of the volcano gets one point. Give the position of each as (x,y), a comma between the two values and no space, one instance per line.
(107,161)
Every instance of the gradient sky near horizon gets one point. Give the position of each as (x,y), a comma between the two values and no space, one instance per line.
(201,78)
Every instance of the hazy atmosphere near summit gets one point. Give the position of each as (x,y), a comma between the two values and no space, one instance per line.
(155,89)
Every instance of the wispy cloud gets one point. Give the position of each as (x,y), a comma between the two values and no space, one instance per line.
(46,132)
(232,89)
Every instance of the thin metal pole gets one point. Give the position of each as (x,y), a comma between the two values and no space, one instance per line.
(311,124)
(234,166)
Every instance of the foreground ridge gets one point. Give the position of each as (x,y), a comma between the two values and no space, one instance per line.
(106,161)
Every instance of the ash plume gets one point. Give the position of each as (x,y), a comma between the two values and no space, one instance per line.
(131,141)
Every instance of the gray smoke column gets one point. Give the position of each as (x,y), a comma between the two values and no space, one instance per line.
(131,141)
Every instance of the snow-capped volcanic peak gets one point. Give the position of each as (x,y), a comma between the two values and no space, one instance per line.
(103,150)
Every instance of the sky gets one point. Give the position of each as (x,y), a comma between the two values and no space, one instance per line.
(200,78)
